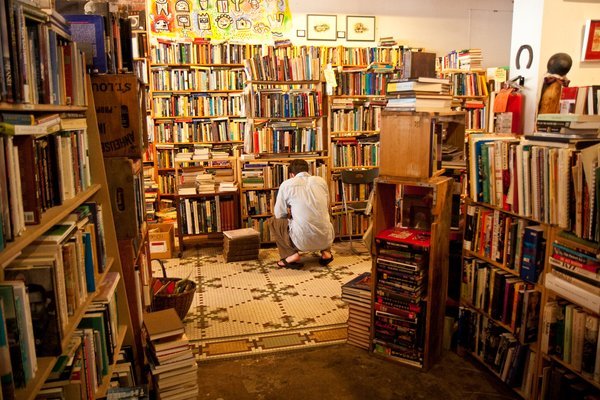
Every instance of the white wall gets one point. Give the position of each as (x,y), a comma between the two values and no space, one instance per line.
(436,25)
(551,26)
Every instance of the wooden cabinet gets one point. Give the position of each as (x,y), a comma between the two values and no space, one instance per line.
(412,143)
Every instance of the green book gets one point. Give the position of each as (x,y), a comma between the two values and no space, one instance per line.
(95,321)
(6,376)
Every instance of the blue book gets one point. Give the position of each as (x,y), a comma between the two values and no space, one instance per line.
(89,263)
(533,253)
(93,45)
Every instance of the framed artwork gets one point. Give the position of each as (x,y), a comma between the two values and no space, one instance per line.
(360,29)
(341,34)
(300,33)
(321,27)
(591,41)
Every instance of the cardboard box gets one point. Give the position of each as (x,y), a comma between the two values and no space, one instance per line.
(119,103)
(126,189)
(161,238)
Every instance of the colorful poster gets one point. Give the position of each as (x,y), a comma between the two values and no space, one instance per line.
(219,19)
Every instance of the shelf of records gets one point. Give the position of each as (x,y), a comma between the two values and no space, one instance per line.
(58,298)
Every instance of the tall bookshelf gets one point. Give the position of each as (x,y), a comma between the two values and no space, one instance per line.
(196,91)
(529,235)
(96,191)
(285,110)
(354,122)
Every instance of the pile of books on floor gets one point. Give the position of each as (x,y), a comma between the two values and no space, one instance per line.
(241,244)
(419,94)
(172,363)
(357,293)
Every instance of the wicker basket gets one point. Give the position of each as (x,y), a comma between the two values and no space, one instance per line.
(181,302)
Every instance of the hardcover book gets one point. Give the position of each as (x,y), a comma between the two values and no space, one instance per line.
(412,237)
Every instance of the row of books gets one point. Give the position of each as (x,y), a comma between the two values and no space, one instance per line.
(514,242)
(167,155)
(258,203)
(210,214)
(197,105)
(199,130)
(301,137)
(513,361)
(341,226)
(571,335)
(58,170)
(201,51)
(261,225)
(354,191)
(275,103)
(475,115)
(466,59)
(558,382)
(349,152)
(197,79)
(275,68)
(47,283)
(536,179)
(349,116)
(469,84)
(360,83)
(357,293)
(270,174)
(504,297)
(579,100)
(41,64)
(173,366)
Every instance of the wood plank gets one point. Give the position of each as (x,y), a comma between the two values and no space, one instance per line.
(45,365)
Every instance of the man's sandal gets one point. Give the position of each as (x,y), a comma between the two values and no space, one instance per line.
(291,265)
(325,261)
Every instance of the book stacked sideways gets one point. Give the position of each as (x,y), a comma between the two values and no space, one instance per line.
(419,94)
(357,293)
(571,126)
(241,244)
(172,363)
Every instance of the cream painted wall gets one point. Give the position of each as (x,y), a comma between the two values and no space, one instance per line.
(551,26)
(436,25)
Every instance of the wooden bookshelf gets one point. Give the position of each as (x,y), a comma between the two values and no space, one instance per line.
(433,304)
(12,107)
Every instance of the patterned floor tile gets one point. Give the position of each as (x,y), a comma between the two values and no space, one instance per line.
(255,306)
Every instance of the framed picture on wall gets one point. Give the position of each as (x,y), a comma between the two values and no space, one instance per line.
(321,27)
(591,41)
(360,29)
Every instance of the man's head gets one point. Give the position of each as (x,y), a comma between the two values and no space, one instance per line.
(297,166)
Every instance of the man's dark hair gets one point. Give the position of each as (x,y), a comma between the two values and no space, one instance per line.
(297,166)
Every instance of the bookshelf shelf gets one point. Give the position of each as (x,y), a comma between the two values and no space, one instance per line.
(191,117)
(192,143)
(285,83)
(78,314)
(41,108)
(45,365)
(197,65)
(197,91)
(571,368)
(50,218)
(103,388)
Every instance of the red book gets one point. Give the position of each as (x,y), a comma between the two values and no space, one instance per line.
(413,237)
(568,98)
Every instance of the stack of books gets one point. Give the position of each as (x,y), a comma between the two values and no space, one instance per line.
(357,293)
(205,183)
(241,244)
(172,363)
(568,126)
(419,94)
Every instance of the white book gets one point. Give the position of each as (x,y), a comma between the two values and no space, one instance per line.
(25,324)
(578,333)
(520,179)
(572,292)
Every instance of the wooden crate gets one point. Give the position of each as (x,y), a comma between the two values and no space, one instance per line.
(121,118)
(410,142)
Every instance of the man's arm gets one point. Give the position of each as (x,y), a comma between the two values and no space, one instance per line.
(281,208)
